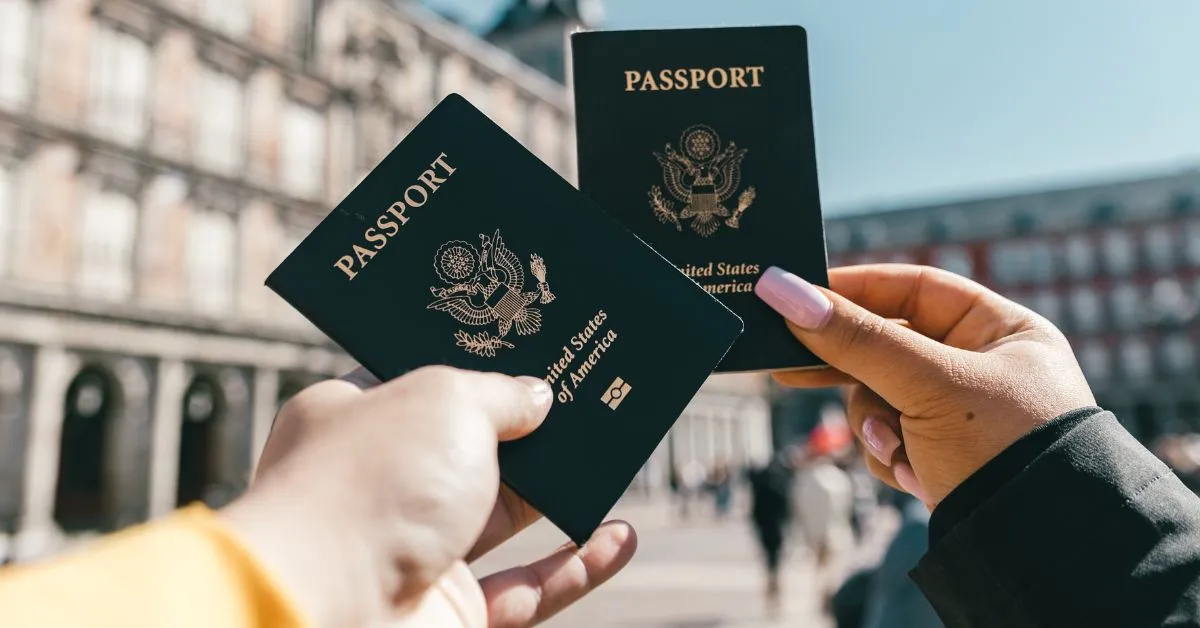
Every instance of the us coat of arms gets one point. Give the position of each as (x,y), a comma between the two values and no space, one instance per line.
(702,175)
(486,286)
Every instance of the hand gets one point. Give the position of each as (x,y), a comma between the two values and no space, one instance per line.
(368,503)
(961,376)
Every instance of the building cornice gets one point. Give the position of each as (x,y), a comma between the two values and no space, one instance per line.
(125,317)
(90,143)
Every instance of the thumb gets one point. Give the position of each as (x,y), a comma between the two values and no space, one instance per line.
(889,358)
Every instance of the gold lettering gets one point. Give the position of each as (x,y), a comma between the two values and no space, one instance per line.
(717,77)
(363,255)
(668,82)
(411,202)
(739,77)
(721,73)
(430,179)
(389,223)
(346,264)
(631,76)
(379,239)
(385,224)
(754,70)
(441,161)
(397,210)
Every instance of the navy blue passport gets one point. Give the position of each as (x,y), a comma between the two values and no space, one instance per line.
(462,248)
(700,141)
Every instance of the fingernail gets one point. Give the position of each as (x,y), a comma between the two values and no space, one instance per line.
(542,395)
(907,480)
(881,440)
(794,298)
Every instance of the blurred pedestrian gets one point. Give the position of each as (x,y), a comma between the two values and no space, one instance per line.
(720,483)
(770,510)
(893,599)
(824,498)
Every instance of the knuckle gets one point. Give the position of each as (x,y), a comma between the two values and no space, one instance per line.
(440,380)
(859,331)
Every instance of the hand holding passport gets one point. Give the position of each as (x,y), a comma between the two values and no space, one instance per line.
(462,248)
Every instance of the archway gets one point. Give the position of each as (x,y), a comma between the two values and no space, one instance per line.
(83,495)
(199,440)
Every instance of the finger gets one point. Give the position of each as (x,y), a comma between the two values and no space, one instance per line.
(820,377)
(510,515)
(525,596)
(907,479)
(875,422)
(890,359)
(515,405)
(936,303)
(299,414)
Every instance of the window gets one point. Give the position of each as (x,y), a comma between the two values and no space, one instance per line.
(1011,262)
(231,16)
(1169,300)
(1085,309)
(1136,359)
(219,132)
(1119,255)
(1159,245)
(1178,354)
(955,259)
(1094,361)
(1042,267)
(1126,305)
(1049,305)
(120,73)
(16,52)
(211,259)
(1191,242)
(107,232)
(1080,258)
(303,151)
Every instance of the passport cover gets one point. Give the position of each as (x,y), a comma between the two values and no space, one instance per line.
(462,248)
(700,141)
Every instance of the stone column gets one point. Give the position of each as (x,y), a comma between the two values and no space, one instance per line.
(131,448)
(266,393)
(171,382)
(52,373)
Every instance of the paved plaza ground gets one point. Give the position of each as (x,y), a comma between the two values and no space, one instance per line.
(701,573)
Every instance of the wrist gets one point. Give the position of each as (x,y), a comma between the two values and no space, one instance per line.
(324,566)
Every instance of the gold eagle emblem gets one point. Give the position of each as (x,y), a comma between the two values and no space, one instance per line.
(486,286)
(702,175)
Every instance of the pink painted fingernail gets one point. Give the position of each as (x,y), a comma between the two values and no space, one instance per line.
(881,440)
(794,298)
(907,479)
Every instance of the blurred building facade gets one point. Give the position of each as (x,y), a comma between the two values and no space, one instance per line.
(157,159)
(1116,266)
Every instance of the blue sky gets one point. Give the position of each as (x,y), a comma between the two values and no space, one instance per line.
(925,100)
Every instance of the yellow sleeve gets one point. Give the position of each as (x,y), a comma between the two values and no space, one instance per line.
(183,571)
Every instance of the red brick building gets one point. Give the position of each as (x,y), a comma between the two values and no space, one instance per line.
(1115,265)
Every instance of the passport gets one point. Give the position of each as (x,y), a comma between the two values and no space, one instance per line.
(700,141)
(462,248)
